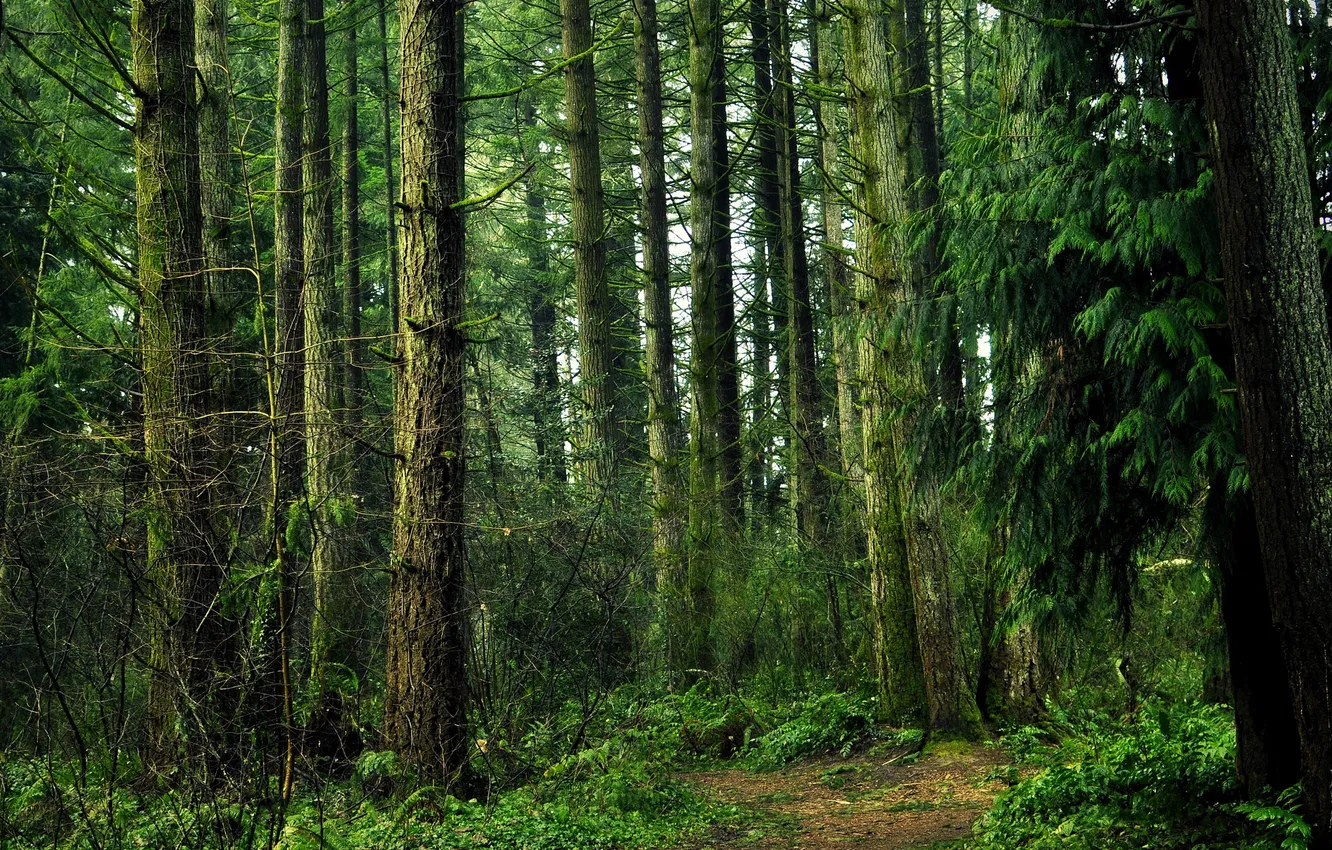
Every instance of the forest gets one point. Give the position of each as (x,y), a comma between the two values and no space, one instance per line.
(561,424)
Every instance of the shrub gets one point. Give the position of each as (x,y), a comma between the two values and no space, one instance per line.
(1166,779)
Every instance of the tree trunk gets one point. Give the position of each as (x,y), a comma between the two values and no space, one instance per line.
(766,232)
(705,357)
(1267,744)
(192,644)
(809,443)
(547,421)
(330,642)
(592,291)
(952,703)
(879,253)
(730,466)
(669,506)
(833,253)
(386,99)
(1010,687)
(287,375)
(1283,358)
(425,700)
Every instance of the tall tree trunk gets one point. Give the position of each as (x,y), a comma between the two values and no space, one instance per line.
(386,100)
(809,442)
(425,700)
(1283,357)
(1010,685)
(766,233)
(287,377)
(192,642)
(592,291)
(330,643)
(952,703)
(669,505)
(218,170)
(705,356)
(730,462)
(925,163)
(879,254)
(354,344)
(547,421)
(833,251)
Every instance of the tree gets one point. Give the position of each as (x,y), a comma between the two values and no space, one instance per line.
(879,254)
(705,356)
(192,643)
(669,504)
(1283,354)
(426,697)
(331,642)
(595,342)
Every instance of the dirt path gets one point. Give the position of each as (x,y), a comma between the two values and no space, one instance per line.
(877,800)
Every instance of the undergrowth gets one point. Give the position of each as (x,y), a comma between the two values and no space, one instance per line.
(593,776)
(1164,779)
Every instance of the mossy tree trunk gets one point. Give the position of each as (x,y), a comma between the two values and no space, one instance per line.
(879,254)
(192,643)
(426,697)
(669,498)
(596,354)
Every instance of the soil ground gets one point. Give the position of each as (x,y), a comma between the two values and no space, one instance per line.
(880,799)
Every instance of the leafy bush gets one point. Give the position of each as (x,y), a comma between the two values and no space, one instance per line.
(826,723)
(1166,779)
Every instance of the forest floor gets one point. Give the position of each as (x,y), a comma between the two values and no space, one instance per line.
(880,799)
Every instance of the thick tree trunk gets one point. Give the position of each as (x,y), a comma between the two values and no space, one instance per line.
(1283,357)
(192,643)
(218,171)
(1010,686)
(425,700)
(286,377)
(706,354)
(1267,744)
(952,703)
(669,500)
(879,254)
(592,292)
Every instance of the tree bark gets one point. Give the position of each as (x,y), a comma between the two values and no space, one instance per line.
(952,702)
(766,233)
(880,254)
(1283,357)
(833,251)
(426,697)
(705,357)
(386,99)
(192,644)
(730,466)
(669,501)
(547,421)
(809,441)
(592,291)
(325,367)
(1267,744)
